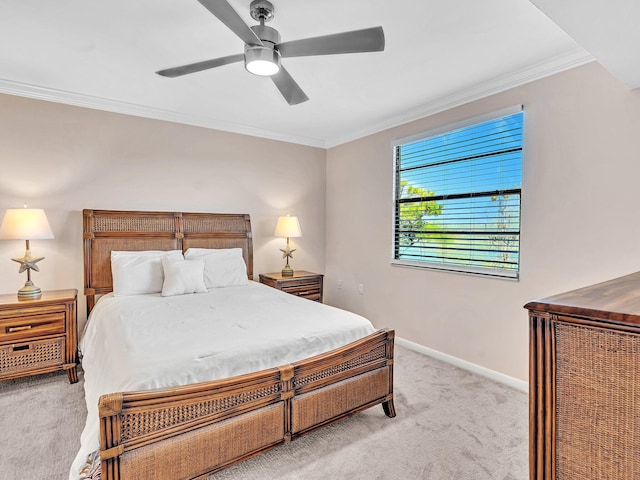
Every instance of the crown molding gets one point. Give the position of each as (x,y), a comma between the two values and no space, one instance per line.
(115,106)
(557,64)
(566,61)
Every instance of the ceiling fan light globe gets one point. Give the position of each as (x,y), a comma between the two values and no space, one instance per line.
(262,61)
(263,68)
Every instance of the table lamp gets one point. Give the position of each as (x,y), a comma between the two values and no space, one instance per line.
(26,224)
(288,227)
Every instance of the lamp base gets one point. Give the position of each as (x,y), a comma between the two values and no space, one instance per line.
(29,291)
(287,271)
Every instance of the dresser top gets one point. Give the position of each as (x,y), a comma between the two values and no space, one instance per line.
(616,300)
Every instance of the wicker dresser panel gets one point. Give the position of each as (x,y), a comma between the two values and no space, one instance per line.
(597,407)
(42,354)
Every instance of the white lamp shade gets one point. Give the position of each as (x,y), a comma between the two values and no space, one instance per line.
(25,224)
(288,227)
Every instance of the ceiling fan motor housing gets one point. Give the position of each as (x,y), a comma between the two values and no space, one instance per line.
(266,34)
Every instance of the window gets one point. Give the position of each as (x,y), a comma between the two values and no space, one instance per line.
(457,196)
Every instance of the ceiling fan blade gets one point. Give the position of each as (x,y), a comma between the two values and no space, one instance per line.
(199,66)
(356,41)
(288,87)
(227,15)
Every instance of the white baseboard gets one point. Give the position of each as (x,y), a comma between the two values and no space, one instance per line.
(472,367)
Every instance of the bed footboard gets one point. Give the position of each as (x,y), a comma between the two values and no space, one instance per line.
(195,430)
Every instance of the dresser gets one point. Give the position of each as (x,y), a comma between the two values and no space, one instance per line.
(38,336)
(302,283)
(584,418)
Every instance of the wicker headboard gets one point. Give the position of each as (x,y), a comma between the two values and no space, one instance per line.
(107,230)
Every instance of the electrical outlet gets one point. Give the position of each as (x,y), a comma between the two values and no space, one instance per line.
(339,284)
(361,289)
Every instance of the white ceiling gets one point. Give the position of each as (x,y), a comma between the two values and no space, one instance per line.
(609,30)
(438,54)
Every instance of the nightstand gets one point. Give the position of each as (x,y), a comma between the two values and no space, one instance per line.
(39,336)
(302,283)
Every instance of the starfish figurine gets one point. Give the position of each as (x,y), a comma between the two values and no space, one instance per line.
(286,253)
(28,263)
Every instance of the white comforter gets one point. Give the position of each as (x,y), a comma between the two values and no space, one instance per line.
(149,341)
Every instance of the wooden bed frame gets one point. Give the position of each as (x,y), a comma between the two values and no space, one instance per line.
(195,430)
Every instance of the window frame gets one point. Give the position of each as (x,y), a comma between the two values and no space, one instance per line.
(449,267)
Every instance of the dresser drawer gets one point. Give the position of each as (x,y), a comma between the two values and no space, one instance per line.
(22,357)
(29,325)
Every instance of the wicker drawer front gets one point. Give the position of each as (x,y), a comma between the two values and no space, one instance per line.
(31,356)
(598,413)
(28,326)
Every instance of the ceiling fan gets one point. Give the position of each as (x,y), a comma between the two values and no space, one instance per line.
(263,49)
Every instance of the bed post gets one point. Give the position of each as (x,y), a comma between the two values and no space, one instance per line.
(87,220)
(387,405)
(109,409)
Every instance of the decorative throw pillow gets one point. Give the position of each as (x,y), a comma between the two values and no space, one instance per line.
(223,267)
(182,277)
(138,273)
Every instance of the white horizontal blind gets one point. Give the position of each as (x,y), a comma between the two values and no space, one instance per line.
(457,198)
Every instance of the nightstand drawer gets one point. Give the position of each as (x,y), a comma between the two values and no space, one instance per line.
(310,295)
(22,357)
(30,326)
(306,291)
(297,287)
(302,284)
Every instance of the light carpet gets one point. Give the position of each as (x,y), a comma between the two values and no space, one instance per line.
(450,424)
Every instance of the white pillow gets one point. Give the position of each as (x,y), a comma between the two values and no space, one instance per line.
(182,276)
(223,267)
(137,273)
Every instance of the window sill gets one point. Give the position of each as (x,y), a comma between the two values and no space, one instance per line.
(476,272)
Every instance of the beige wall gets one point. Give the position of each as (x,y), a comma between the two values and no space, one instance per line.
(581,176)
(580,199)
(64,159)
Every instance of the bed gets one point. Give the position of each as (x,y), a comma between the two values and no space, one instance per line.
(192,430)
